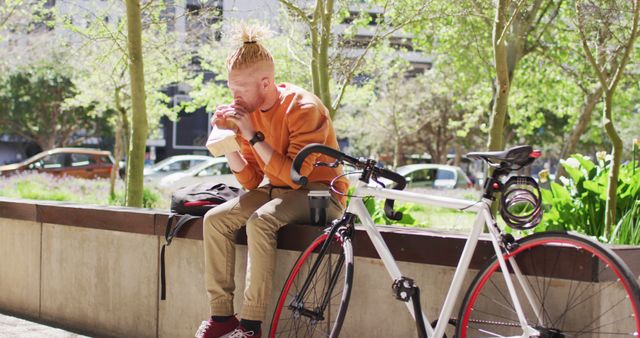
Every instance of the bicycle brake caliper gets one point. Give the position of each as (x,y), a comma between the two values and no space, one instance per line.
(508,242)
(404,288)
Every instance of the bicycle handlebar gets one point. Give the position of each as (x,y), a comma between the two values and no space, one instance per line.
(358,163)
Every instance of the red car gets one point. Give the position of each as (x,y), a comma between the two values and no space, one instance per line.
(78,162)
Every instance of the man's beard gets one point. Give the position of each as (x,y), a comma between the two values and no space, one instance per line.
(257,105)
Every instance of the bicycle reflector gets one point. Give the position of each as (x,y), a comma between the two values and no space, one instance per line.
(535,154)
(521,204)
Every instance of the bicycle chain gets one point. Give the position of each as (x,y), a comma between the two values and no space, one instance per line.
(495,323)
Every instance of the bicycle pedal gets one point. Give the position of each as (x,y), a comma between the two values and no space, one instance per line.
(403,289)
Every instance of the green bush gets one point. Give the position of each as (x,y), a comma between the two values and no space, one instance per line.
(578,203)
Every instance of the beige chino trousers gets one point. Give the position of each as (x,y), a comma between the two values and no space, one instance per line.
(263,211)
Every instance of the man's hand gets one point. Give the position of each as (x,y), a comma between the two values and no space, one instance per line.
(240,117)
(220,120)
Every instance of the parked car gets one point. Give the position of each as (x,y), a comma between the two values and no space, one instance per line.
(437,176)
(78,162)
(172,165)
(216,170)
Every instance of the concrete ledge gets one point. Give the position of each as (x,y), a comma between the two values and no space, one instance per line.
(17,209)
(407,244)
(133,220)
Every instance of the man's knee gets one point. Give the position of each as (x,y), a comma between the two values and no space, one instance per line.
(263,223)
(214,223)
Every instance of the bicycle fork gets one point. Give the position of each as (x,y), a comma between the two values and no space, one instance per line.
(297,304)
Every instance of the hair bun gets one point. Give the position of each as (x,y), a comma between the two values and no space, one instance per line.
(250,50)
(250,33)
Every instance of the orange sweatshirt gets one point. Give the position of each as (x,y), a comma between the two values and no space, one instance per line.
(298,118)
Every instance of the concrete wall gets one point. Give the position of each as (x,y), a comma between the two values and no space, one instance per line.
(106,282)
(98,273)
(20,266)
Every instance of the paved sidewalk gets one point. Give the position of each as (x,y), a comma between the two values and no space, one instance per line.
(16,327)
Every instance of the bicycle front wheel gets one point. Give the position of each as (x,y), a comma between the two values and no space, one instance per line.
(314,299)
(569,286)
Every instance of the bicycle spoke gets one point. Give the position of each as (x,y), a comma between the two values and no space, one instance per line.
(570,308)
(319,293)
(600,316)
(541,301)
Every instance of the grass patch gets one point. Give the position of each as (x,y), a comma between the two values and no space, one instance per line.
(40,186)
(442,219)
(36,186)
(426,216)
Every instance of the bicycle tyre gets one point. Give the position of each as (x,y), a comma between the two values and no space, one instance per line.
(288,322)
(487,309)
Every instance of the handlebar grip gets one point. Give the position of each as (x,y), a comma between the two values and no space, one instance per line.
(401,182)
(305,152)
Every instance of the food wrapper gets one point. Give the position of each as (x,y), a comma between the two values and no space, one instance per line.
(222,142)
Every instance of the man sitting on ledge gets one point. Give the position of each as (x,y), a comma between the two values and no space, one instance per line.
(272,123)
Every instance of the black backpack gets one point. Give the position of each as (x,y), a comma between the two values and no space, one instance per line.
(192,202)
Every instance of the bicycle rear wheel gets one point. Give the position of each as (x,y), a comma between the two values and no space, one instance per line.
(315,296)
(578,287)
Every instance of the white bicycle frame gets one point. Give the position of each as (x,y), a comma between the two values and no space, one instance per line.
(482,209)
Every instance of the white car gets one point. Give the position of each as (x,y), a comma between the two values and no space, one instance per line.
(215,170)
(438,176)
(172,165)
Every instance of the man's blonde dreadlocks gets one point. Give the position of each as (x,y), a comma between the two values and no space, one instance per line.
(251,51)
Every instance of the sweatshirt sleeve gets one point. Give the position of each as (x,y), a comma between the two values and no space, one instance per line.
(250,176)
(306,124)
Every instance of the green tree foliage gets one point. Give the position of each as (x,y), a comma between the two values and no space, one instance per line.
(613,24)
(487,41)
(542,110)
(102,62)
(22,16)
(338,67)
(33,104)
(408,113)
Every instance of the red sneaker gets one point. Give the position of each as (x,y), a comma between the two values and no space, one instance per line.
(211,329)
(241,332)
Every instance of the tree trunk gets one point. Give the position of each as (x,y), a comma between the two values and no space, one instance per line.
(616,153)
(117,153)
(135,162)
(315,50)
(499,111)
(458,158)
(396,152)
(323,62)
(586,111)
(118,146)
(126,131)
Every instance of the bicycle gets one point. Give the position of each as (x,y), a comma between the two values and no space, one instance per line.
(511,296)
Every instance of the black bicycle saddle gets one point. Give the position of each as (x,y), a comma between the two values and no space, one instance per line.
(517,156)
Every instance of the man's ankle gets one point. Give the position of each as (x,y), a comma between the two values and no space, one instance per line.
(221,319)
(251,325)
